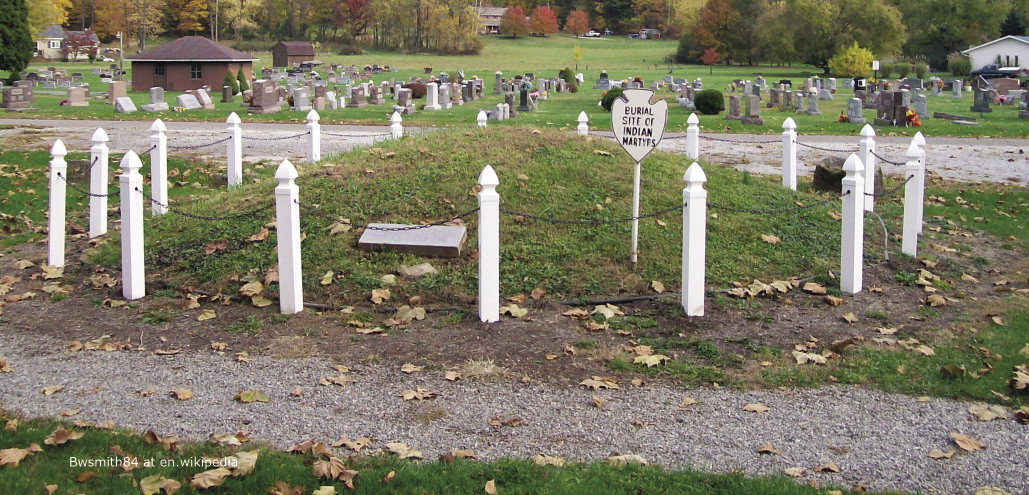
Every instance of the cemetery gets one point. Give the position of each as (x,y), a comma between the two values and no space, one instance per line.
(547,277)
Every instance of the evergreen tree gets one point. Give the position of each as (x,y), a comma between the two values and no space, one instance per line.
(15,40)
(231,82)
(242,78)
(1014,24)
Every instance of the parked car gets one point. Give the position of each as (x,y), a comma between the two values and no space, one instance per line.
(634,35)
(592,34)
(994,71)
(608,32)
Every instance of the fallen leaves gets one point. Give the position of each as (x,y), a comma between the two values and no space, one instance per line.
(768,449)
(1020,377)
(61,436)
(5,367)
(251,289)
(794,472)
(771,239)
(514,311)
(625,460)
(418,394)
(411,368)
(207,314)
(251,396)
(966,443)
(403,451)
(151,485)
(608,311)
(599,382)
(651,360)
(828,467)
(491,487)
(13,456)
(209,479)
(51,390)
(216,246)
(355,445)
(261,235)
(814,288)
(334,469)
(808,357)
(756,408)
(546,460)
(379,296)
(983,412)
(939,454)
(182,394)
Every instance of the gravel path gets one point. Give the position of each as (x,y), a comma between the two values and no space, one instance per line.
(878,440)
(958,159)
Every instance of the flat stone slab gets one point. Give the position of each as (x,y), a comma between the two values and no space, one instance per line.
(441,241)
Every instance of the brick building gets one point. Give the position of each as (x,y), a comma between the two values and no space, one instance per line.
(292,53)
(188,63)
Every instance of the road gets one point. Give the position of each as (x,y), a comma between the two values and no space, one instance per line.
(1000,160)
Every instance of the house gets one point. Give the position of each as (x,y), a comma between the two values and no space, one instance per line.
(50,43)
(650,34)
(291,53)
(490,17)
(1009,51)
(190,62)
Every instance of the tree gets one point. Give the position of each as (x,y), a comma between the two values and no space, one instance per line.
(578,23)
(543,21)
(710,58)
(79,43)
(577,55)
(947,26)
(241,78)
(514,22)
(713,28)
(190,14)
(231,82)
(851,61)
(836,23)
(239,16)
(43,13)
(1014,24)
(15,40)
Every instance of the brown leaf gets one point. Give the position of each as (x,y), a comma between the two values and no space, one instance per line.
(261,235)
(767,448)
(828,467)
(966,442)
(60,436)
(756,408)
(771,239)
(491,487)
(209,479)
(537,293)
(939,454)
(182,394)
(13,456)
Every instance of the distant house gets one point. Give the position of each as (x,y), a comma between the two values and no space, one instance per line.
(291,53)
(51,42)
(1009,51)
(650,34)
(490,17)
(187,63)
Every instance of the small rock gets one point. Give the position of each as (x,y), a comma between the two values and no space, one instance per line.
(417,271)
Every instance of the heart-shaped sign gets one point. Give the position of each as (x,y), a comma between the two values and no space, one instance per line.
(637,123)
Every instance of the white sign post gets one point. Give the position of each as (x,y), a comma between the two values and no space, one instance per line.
(638,126)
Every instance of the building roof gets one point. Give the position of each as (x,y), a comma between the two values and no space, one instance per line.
(491,11)
(192,49)
(298,48)
(56,32)
(1023,39)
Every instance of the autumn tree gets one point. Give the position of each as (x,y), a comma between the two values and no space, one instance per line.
(514,22)
(43,13)
(239,16)
(15,40)
(837,23)
(79,43)
(578,23)
(710,58)
(938,28)
(543,21)
(713,27)
(851,61)
(188,15)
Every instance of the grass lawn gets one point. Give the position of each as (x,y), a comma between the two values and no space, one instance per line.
(52,466)
(621,57)
(550,174)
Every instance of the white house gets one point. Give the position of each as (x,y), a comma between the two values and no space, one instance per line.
(1009,51)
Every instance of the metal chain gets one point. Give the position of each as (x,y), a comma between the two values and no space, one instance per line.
(249,138)
(87,193)
(335,134)
(591,222)
(716,206)
(709,138)
(828,150)
(318,213)
(891,191)
(198,146)
(90,169)
(236,216)
(152,148)
(891,162)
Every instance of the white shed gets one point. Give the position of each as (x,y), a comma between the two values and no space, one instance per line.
(1009,51)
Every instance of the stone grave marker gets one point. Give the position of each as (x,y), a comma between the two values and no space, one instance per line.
(331,101)
(404,105)
(265,98)
(455,94)
(854,111)
(921,107)
(115,90)
(981,103)
(301,101)
(205,99)
(432,96)
(441,241)
(734,108)
(444,97)
(77,97)
(812,103)
(124,105)
(157,103)
(188,101)
(357,98)
(752,115)
(227,94)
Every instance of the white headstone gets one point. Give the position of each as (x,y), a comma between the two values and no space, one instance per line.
(188,101)
(124,105)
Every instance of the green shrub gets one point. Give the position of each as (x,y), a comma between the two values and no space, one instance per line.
(230,81)
(921,69)
(710,102)
(851,61)
(609,98)
(242,78)
(569,78)
(903,69)
(959,64)
(885,69)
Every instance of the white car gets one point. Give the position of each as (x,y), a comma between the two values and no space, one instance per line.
(592,34)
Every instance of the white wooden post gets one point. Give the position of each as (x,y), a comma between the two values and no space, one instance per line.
(789,154)
(694,233)
(158,169)
(314,137)
(99,154)
(919,140)
(489,246)
(693,137)
(912,200)
(396,130)
(853,238)
(865,149)
(133,281)
(480,119)
(58,198)
(287,227)
(584,124)
(234,151)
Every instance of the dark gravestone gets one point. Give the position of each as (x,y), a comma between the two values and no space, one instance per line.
(441,241)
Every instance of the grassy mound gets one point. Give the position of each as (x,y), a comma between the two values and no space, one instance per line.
(542,172)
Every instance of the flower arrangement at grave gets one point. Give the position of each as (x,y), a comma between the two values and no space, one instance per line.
(912,119)
(63,102)
(843,118)
(637,79)
(428,69)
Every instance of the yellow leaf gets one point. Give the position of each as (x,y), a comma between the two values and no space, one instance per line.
(327,278)
(833,301)
(261,235)
(939,454)
(546,460)
(50,272)
(251,289)
(207,314)
(209,479)
(771,239)
(756,408)
(794,472)
(966,442)
(514,310)
(260,301)
(491,487)
(60,436)
(379,295)
(814,288)
(410,368)
(51,390)
(849,317)
(657,286)
(650,361)
(182,394)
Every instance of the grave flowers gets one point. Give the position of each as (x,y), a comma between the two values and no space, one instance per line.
(912,119)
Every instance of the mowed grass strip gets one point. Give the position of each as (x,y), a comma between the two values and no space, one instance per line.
(543,173)
(53,466)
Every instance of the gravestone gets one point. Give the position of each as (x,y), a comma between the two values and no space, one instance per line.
(331,101)
(124,105)
(812,103)
(77,97)
(752,116)
(432,96)
(265,97)
(774,98)
(226,94)
(980,82)
(982,101)
(318,104)
(854,115)
(1004,85)
(301,102)
(205,99)
(376,97)
(357,98)
(455,94)
(157,103)
(188,102)
(444,97)
(509,100)
(1014,96)
(404,103)
(523,100)
(498,112)
(913,83)
(798,101)
(16,99)
(441,241)
(498,82)
(734,108)
(832,85)
(921,107)
(824,94)
(115,90)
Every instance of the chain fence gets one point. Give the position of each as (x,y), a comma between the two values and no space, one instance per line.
(234,216)
(83,191)
(827,150)
(318,213)
(279,138)
(351,135)
(738,141)
(772,211)
(891,190)
(198,146)
(884,159)
(562,221)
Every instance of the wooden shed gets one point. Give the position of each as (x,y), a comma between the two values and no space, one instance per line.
(290,53)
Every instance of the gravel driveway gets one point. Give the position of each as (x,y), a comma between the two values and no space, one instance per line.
(878,440)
